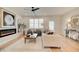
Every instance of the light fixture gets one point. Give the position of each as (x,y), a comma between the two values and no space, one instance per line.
(69,20)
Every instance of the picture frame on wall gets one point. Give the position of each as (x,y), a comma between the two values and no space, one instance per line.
(8,19)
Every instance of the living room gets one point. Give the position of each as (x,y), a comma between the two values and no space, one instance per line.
(54,27)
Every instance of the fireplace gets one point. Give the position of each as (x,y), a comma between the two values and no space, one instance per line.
(6,32)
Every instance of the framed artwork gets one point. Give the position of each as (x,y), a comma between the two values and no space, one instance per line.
(8,19)
(75,20)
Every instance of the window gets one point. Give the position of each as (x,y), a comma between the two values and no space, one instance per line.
(40,23)
(51,25)
(31,23)
(36,23)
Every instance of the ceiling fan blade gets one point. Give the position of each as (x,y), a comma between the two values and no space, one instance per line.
(34,9)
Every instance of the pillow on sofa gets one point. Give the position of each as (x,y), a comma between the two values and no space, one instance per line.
(34,35)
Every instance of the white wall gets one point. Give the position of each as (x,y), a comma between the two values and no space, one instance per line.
(57,20)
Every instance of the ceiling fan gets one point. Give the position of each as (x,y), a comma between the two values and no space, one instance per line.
(34,9)
(31,9)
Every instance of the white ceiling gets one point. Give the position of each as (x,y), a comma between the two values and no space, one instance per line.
(43,11)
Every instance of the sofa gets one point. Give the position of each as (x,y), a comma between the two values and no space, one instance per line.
(37,31)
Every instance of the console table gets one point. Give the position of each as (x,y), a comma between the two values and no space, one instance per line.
(73,34)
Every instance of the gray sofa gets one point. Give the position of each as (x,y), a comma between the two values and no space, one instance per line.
(38,31)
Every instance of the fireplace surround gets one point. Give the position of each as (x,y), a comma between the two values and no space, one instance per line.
(6,32)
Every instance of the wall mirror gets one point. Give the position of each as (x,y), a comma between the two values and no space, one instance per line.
(74,22)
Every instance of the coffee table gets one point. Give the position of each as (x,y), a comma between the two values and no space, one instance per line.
(32,37)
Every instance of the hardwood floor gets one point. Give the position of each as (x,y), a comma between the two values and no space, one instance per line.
(66,45)
(10,42)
